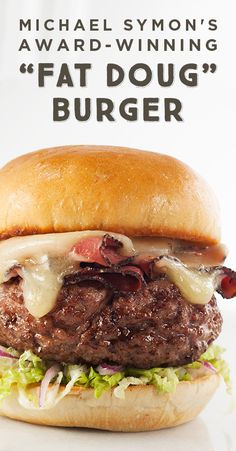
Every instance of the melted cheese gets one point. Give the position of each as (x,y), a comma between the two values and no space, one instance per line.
(191,254)
(40,288)
(43,261)
(197,287)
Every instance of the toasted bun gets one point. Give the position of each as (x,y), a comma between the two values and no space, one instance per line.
(116,189)
(141,410)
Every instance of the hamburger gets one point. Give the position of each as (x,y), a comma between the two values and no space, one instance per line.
(109,262)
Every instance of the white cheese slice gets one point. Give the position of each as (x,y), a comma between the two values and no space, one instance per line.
(189,253)
(44,261)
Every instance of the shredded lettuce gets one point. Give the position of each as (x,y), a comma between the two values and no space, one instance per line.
(99,383)
(28,369)
(119,391)
(213,356)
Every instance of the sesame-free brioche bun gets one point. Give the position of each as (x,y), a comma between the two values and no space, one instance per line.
(117,189)
(141,410)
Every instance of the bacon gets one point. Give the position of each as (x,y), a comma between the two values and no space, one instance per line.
(147,263)
(227,282)
(125,278)
(104,251)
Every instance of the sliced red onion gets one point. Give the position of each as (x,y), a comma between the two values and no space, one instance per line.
(4,353)
(49,375)
(105,369)
(208,365)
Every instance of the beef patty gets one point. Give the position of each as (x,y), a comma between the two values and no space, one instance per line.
(152,327)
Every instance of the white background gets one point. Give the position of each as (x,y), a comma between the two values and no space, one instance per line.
(205,140)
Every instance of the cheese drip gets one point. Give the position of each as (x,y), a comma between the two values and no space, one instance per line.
(196,286)
(42,282)
(42,261)
(40,289)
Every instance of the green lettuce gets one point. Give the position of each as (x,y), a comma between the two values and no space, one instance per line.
(213,356)
(99,383)
(25,370)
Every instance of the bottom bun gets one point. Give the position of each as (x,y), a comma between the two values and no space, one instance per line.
(141,410)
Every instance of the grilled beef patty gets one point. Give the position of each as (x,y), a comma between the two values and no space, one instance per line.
(151,327)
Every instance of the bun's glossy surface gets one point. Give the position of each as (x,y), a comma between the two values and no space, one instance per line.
(117,189)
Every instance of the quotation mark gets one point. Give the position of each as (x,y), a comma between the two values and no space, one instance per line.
(26,68)
(209,67)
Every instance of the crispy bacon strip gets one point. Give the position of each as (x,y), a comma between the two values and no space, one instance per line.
(146,263)
(125,278)
(104,251)
(227,282)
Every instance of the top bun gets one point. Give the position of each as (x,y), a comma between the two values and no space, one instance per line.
(116,189)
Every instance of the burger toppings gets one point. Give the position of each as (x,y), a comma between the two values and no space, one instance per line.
(49,375)
(45,262)
(104,369)
(195,286)
(227,286)
(189,253)
(121,279)
(4,353)
(103,250)
(56,381)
